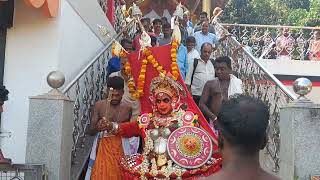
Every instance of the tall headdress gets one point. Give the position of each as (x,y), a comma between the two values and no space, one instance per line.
(166,84)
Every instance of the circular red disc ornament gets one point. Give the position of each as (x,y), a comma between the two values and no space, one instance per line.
(187,118)
(189,147)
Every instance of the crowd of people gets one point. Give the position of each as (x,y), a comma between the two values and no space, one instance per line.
(213,86)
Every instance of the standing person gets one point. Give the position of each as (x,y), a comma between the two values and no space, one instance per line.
(242,123)
(314,47)
(182,60)
(106,165)
(200,72)
(220,89)
(157,25)
(189,22)
(3,97)
(114,62)
(284,45)
(203,17)
(204,36)
(167,33)
(130,145)
(192,52)
(186,25)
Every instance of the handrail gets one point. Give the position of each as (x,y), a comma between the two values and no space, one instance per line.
(95,58)
(254,59)
(270,26)
(276,80)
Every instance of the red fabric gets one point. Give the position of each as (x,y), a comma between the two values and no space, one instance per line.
(162,55)
(111,11)
(129,129)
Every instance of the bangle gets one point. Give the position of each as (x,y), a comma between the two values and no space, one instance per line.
(115,127)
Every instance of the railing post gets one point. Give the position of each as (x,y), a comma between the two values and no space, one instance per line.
(49,135)
(300,137)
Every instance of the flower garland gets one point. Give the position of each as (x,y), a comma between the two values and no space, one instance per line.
(137,91)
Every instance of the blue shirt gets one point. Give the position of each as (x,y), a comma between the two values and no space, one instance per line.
(113,65)
(208,38)
(182,60)
(190,24)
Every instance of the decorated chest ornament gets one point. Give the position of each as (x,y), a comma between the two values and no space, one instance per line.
(166,85)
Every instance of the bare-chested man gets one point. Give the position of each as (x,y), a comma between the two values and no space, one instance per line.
(106,165)
(243,123)
(220,89)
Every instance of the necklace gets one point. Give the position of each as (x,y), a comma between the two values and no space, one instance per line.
(108,114)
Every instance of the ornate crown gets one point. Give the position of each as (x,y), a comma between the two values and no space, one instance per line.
(166,84)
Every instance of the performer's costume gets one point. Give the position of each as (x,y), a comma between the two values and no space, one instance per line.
(177,140)
(179,143)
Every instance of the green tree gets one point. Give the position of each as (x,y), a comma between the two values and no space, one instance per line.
(274,12)
(238,11)
(297,4)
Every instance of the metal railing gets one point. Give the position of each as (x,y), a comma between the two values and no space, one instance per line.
(260,83)
(23,172)
(257,38)
(85,90)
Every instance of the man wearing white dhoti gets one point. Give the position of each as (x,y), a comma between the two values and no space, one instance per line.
(219,89)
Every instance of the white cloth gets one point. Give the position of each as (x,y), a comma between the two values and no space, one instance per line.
(235,86)
(130,145)
(92,158)
(191,56)
(204,72)
(190,31)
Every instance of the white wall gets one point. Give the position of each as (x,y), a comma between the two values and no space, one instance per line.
(31,53)
(37,45)
(292,67)
(78,44)
(92,14)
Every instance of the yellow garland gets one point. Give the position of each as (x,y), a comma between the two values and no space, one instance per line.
(137,91)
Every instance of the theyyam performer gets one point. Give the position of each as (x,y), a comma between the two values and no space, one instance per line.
(177,140)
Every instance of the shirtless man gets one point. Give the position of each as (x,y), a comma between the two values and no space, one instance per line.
(217,90)
(110,149)
(242,122)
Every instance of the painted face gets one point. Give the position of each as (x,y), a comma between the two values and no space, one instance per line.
(222,70)
(116,96)
(163,104)
(1,106)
